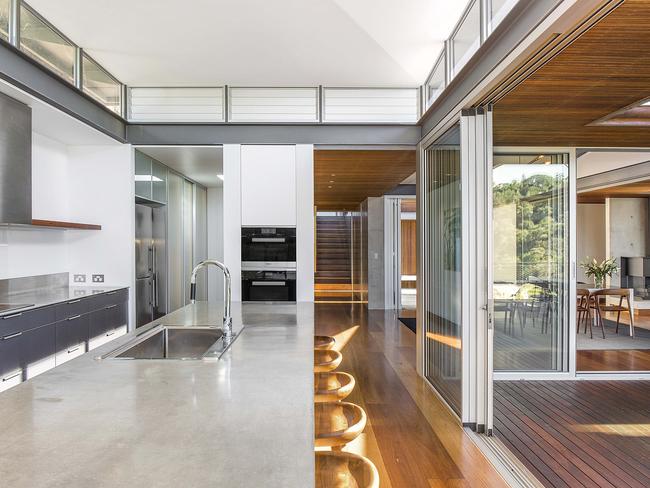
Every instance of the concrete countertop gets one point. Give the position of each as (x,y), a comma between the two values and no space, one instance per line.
(243,421)
(50,296)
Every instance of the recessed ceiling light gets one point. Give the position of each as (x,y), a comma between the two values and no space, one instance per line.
(330,186)
(220,177)
(331,181)
(333,174)
(646,104)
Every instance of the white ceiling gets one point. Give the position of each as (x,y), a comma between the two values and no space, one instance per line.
(202,164)
(595,162)
(259,42)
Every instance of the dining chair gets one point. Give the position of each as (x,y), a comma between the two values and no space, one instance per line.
(584,310)
(603,306)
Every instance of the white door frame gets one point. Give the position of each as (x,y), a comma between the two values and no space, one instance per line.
(569,367)
(393,250)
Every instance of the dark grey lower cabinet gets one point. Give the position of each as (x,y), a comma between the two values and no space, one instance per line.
(71,337)
(12,347)
(34,341)
(40,350)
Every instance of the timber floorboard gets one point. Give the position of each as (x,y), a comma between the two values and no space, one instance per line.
(577,433)
(411,436)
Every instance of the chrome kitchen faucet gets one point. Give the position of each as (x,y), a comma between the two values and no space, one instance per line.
(227,292)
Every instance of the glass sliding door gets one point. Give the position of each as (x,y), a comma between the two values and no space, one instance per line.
(442,266)
(530,261)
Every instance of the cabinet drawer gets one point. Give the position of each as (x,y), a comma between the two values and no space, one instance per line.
(30,319)
(105,337)
(12,348)
(72,308)
(40,350)
(98,302)
(71,337)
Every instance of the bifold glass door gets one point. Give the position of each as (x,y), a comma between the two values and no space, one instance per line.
(442,266)
(530,261)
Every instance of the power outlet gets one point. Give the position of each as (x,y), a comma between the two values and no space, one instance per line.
(80,278)
(98,278)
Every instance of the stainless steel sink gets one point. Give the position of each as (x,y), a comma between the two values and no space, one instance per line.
(175,342)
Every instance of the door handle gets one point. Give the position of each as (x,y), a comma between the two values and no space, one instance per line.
(110,306)
(74,301)
(70,351)
(11,377)
(12,316)
(74,317)
(11,336)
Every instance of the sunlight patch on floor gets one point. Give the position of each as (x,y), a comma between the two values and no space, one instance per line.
(623,430)
(343,337)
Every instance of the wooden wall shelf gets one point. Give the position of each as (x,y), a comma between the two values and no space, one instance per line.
(65,225)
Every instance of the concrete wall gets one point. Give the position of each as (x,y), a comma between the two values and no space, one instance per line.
(591,235)
(626,229)
(376,278)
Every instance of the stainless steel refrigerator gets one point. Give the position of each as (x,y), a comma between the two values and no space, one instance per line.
(150,263)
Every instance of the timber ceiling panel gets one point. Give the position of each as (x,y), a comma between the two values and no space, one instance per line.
(638,189)
(344,178)
(604,70)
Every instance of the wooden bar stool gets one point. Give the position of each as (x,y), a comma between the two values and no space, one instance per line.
(332,387)
(324,342)
(337,423)
(326,360)
(345,470)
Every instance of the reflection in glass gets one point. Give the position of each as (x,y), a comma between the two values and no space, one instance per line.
(467,38)
(530,261)
(101,86)
(45,45)
(442,300)
(4,19)
(436,82)
(498,10)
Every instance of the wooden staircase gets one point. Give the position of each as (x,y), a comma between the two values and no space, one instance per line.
(333,241)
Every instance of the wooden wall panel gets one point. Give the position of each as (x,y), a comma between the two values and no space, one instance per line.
(409,236)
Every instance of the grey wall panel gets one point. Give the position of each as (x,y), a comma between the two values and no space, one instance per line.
(188,237)
(201,238)
(26,74)
(175,242)
(274,134)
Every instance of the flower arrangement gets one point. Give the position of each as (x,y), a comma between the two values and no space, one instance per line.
(599,271)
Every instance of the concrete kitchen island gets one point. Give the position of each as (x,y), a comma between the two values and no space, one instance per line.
(245,420)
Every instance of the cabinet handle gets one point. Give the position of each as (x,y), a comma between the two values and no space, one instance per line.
(74,317)
(11,336)
(11,377)
(110,306)
(11,316)
(108,334)
(73,350)
(112,292)
(74,301)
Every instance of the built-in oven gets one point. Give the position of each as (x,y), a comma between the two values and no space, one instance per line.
(268,285)
(268,245)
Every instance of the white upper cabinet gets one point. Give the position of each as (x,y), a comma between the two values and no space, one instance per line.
(268,186)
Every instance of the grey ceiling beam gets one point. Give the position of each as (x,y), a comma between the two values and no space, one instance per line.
(23,72)
(514,28)
(343,135)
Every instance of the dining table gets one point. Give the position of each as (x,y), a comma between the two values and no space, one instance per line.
(593,289)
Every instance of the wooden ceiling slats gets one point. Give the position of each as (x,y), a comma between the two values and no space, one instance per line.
(359,174)
(604,70)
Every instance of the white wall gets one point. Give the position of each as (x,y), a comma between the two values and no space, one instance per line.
(215,242)
(232,215)
(590,229)
(305,224)
(88,184)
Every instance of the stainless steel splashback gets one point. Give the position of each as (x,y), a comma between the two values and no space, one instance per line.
(15,162)
(12,286)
